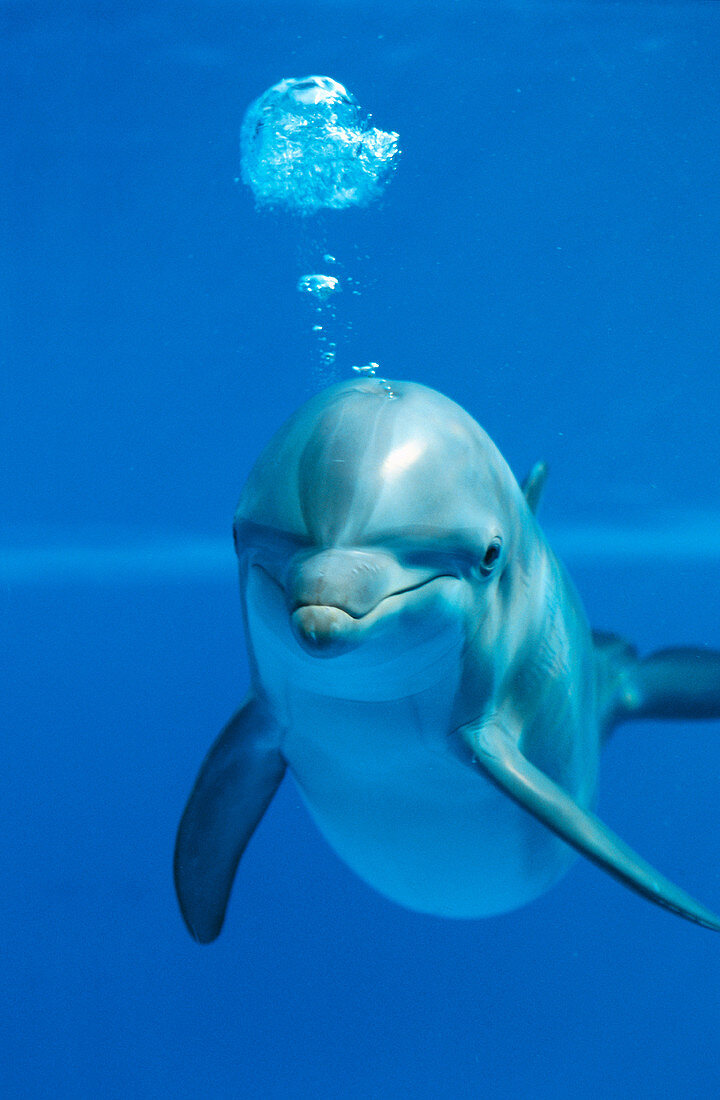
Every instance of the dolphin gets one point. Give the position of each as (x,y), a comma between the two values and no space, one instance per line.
(422,664)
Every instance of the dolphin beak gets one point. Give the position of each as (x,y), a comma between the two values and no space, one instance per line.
(354,581)
(324,631)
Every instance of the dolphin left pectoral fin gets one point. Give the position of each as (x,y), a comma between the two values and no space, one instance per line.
(495,753)
(233,789)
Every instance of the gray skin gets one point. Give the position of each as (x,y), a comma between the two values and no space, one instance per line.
(422,664)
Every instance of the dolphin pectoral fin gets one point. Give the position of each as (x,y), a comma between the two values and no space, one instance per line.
(673,683)
(534,484)
(233,789)
(498,757)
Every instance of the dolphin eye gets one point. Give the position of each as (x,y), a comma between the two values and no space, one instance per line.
(491,556)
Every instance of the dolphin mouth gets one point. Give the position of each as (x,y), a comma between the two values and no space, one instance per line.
(358,616)
(331,629)
(327,630)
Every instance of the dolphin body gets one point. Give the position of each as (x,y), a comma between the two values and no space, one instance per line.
(422,664)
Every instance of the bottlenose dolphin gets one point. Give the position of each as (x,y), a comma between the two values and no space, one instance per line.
(422,664)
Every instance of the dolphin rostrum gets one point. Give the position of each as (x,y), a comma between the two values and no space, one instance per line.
(422,664)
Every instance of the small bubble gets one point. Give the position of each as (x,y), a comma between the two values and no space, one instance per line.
(319,287)
(317,328)
(369,370)
(328,259)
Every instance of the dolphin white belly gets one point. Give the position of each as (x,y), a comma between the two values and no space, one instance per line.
(415,823)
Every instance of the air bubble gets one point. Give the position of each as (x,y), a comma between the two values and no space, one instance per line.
(306,147)
(319,287)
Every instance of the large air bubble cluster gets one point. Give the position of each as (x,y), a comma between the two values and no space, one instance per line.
(306,147)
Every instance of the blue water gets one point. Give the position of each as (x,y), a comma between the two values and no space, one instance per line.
(547,255)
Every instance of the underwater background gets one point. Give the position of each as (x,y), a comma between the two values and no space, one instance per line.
(547,255)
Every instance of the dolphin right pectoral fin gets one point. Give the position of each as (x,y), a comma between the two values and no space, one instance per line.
(233,789)
(496,754)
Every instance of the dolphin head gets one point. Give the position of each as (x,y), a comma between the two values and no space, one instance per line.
(373,531)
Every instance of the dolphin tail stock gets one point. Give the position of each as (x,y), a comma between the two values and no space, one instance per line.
(682,682)
(234,787)
(494,752)
(675,683)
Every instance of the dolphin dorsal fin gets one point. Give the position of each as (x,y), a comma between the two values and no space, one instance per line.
(534,484)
